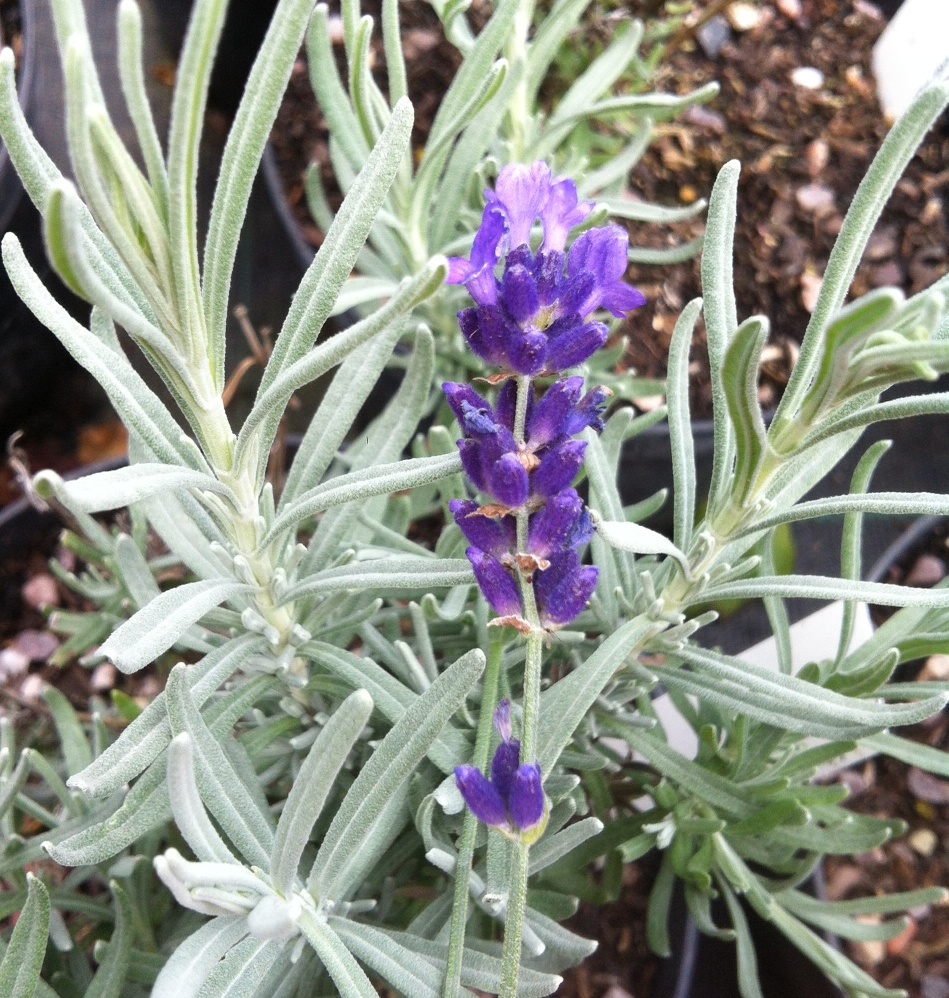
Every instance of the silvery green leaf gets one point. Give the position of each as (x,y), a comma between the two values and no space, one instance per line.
(636,538)
(720,315)
(313,784)
(392,45)
(392,699)
(246,140)
(394,963)
(569,699)
(363,290)
(481,970)
(841,925)
(641,211)
(398,574)
(616,170)
(110,979)
(561,946)
(390,766)
(926,757)
(826,587)
(551,33)
(134,401)
(38,174)
(242,970)
(11,784)
(807,708)
(134,89)
(113,489)
(134,571)
(668,255)
(553,847)
(157,626)
(340,964)
(72,739)
(372,481)
(261,424)
(23,960)
(475,68)
(740,376)
(618,567)
(748,982)
(681,444)
(187,807)
(338,409)
(879,503)
(142,741)
(334,262)
(872,194)
(97,838)
(189,965)
(222,789)
(599,75)
(188,530)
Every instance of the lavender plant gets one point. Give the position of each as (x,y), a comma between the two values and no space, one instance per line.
(376,757)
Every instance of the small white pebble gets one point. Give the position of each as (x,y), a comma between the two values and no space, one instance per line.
(791,9)
(12,663)
(32,687)
(923,841)
(103,678)
(807,76)
(743,16)
(40,592)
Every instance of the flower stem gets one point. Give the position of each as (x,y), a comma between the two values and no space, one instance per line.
(514,920)
(459,911)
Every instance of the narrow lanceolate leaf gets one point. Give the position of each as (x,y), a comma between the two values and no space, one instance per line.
(681,444)
(348,977)
(245,145)
(635,538)
(313,784)
(157,626)
(391,765)
(827,587)
(373,481)
(566,702)
(769,696)
(222,789)
(142,741)
(23,961)
(334,262)
(740,375)
(720,310)
(189,965)
(242,970)
(110,977)
(397,574)
(114,489)
(134,401)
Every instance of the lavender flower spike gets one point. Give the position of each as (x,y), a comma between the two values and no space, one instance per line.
(512,801)
(538,315)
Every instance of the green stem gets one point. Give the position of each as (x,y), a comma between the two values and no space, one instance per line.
(514,921)
(459,911)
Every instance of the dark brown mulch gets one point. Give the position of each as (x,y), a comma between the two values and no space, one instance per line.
(803,152)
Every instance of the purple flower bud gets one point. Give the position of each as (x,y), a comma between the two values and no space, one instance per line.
(558,467)
(496,583)
(603,253)
(504,766)
(575,345)
(519,294)
(497,536)
(561,213)
(507,481)
(562,523)
(482,798)
(502,720)
(551,414)
(525,802)
(521,191)
(563,589)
